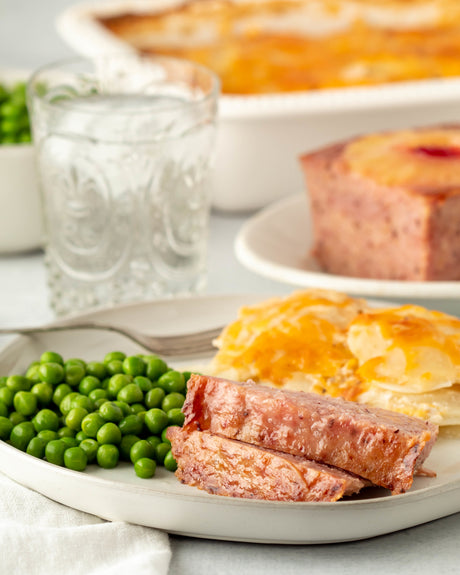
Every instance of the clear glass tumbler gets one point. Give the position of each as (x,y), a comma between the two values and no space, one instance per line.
(124,149)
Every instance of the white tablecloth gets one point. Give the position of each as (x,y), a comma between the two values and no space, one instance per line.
(41,537)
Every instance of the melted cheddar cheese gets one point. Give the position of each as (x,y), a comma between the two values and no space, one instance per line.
(405,358)
(267,46)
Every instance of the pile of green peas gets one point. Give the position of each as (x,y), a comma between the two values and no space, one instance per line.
(14,117)
(74,413)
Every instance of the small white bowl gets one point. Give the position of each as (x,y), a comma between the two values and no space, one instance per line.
(21,227)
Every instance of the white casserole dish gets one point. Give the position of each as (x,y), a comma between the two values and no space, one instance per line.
(261,137)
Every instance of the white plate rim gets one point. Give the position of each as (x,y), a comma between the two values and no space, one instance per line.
(251,256)
(176,512)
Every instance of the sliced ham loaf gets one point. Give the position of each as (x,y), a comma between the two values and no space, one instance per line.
(385,447)
(223,466)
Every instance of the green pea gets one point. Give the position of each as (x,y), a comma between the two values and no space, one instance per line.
(172,382)
(99,402)
(7,138)
(92,423)
(3,410)
(66,403)
(141,448)
(69,441)
(74,374)
(131,393)
(116,383)
(131,425)
(127,442)
(164,439)
(169,462)
(155,368)
(107,456)
(154,440)
(138,409)
(25,402)
(81,435)
(75,361)
(145,467)
(172,400)
(115,366)
(54,451)
(36,447)
(21,434)
(143,383)
(96,369)
(125,407)
(9,110)
(156,420)
(15,417)
(46,419)
(7,396)
(52,372)
(25,137)
(75,458)
(175,416)
(33,373)
(134,365)
(47,435)
(161,450)
(90,447)
(61,391)
(114,355)
(65,432)
(187,375)
(109,433)
(111,412)
(6,426)
(51,357)
(44,392)
(84,401)
(97,394)
(154,397)
(18,383)
(75,417)
(3,379)
(88,384)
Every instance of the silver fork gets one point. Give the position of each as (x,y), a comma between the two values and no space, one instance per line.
(168,345)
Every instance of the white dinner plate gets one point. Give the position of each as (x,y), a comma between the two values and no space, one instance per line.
(276,243)
(164,503)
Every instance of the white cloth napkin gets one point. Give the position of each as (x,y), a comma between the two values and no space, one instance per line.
(41,537)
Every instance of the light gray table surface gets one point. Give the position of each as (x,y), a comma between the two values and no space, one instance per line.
(28,40)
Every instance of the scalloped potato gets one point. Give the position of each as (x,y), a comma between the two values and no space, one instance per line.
(294,45)
(406,358)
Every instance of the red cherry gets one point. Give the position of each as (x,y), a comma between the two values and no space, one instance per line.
(437,151)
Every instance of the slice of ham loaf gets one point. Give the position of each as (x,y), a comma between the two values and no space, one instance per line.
(385,447)
(223,466)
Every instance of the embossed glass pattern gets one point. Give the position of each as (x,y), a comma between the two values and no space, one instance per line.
(124,148)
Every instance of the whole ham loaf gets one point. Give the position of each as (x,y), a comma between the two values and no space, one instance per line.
(223,466)
(385,447)
(387,205)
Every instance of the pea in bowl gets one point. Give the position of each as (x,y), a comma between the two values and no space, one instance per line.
(21,226)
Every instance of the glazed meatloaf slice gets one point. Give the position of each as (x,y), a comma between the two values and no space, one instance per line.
(385,447)
(387,205)
(223,466)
